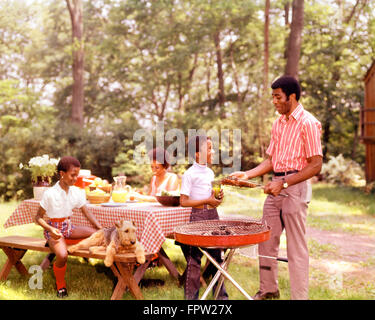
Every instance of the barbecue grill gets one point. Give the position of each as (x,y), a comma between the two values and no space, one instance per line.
(223,234)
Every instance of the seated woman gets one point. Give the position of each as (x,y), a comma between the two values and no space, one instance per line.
(162,179)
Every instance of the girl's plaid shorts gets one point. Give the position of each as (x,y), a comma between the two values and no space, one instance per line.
(65,228)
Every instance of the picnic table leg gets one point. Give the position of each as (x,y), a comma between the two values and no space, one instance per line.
(120,286)
(139,273)
(164,259)
(124,272)
(14,259)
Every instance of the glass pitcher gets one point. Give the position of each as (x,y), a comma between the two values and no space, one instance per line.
(121,190)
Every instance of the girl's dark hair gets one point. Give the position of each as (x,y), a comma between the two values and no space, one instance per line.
(195,144)
(66,162)
(288,85)
(160,155)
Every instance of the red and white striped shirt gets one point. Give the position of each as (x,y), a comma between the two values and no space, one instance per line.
(294,140)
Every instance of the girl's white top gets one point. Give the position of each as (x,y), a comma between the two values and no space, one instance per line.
(59,204)
(196,182)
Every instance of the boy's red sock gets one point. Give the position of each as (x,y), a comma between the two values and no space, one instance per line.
(60,276)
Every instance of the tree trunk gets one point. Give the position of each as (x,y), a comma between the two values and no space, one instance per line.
(180,93)
(352,13)
(295,39)
(75,11)
(220,74)
(266,45)
(326,136)
(264,100)
(235,75)
(208,76)
(164,103)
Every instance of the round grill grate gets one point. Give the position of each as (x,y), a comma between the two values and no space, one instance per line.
(222,233)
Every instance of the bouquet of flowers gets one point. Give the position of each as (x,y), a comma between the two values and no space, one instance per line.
(41,168)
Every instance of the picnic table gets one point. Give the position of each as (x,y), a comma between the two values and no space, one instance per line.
(154,224)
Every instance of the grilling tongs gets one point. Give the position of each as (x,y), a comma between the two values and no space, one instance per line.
(243,183)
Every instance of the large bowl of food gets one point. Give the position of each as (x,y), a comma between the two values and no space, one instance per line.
(98,196)
(169,198)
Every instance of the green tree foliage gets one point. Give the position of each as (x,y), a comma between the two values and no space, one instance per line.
(192,64)
(336,56)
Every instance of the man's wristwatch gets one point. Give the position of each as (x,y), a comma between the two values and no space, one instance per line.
(285,184)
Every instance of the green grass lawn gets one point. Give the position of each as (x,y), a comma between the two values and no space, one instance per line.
(332,208)
(342,209)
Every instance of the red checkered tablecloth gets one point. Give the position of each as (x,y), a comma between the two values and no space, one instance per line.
(154,222)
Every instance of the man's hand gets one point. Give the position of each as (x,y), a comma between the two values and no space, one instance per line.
(314,165)
(274,187)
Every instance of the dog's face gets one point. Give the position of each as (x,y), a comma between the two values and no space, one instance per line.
(127,232)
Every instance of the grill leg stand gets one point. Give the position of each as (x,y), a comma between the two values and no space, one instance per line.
(218,274)
(227,261)
(225,274)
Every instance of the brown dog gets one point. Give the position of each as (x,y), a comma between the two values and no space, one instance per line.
(118,239)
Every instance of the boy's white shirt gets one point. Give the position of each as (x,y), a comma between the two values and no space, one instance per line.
(196,182)
(59,204)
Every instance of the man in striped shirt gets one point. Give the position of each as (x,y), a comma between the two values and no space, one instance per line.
(294,156)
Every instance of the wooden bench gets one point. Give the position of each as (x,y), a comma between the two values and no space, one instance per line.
(15,248)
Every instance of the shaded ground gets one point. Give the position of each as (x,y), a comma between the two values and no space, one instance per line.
(346,259)
(349,260)
(350,247)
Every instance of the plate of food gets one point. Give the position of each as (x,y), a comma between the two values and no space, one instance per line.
(114,204)
(132,201)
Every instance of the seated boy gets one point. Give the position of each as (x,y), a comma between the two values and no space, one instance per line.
(196,192)
(57,203)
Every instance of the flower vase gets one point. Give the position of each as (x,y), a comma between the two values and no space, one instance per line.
(40,187)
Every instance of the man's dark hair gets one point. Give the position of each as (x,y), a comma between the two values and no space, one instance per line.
(288,85)
(160,155)
(195,144)
(66,163)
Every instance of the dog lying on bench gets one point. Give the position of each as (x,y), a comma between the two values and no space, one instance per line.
(118,239)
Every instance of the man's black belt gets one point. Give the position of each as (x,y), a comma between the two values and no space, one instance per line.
(279,174)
